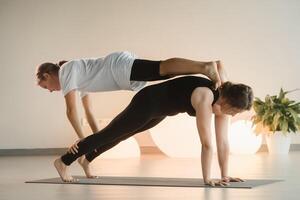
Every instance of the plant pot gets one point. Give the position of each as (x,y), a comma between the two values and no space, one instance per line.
(278,143)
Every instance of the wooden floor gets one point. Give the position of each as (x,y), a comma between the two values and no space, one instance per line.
(14,171)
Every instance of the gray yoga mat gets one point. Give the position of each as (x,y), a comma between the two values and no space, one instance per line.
(153,181)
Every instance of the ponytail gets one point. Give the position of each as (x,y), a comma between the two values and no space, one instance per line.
(60,63)
(49,68)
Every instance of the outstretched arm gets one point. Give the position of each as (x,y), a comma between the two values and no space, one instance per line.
(72,114)
(221,129)
(202,99)
(74,119)
(87,105)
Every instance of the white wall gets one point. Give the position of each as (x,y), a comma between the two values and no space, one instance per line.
(258,41)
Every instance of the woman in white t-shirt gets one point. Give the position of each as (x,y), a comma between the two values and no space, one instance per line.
(116,71)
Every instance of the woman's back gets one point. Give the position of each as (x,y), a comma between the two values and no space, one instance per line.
(176,94)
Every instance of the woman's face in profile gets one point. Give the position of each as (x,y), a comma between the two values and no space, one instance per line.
(226,109)
(229,110)
(50,83)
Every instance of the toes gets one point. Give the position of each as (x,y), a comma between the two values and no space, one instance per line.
(71,180)
(75,180)
(94,177)
(91,176)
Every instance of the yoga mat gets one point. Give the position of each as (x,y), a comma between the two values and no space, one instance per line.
(153,181)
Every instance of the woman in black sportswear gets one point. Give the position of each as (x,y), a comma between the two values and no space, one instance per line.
(194,95)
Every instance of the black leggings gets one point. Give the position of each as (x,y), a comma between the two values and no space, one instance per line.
(91,156)
(146,70)
(143,112)
(142,70)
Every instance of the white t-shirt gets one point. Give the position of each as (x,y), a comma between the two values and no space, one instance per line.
(108,73)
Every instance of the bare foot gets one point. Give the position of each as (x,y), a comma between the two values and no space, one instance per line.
(213,74)
(62,171)
(85,165)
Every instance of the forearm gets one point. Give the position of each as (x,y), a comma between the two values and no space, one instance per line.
(206,159)
(223,157)
(92,122)
(206,152)
(221,129)
(74,120)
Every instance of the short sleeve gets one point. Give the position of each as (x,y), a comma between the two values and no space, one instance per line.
(83,94)
(68,78)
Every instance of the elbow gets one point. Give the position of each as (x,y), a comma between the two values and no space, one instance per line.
(70,112)
(87,112)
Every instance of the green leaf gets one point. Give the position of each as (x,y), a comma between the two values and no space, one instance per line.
(276,121)
(295,107)
(284,126)
(277,113)
(258,100)
(292,127)
(294,114)
(268,100)
(285,101)
(281,94)
(298,127)
(291,102)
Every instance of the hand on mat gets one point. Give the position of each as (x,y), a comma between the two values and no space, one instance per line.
(74,148)
(216,183)
(228,179)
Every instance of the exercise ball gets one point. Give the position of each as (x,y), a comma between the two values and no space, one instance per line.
(242,138)
(177,136)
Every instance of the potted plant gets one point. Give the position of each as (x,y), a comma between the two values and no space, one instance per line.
(277,116)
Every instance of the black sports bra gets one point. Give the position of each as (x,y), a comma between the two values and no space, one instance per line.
(180,90)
